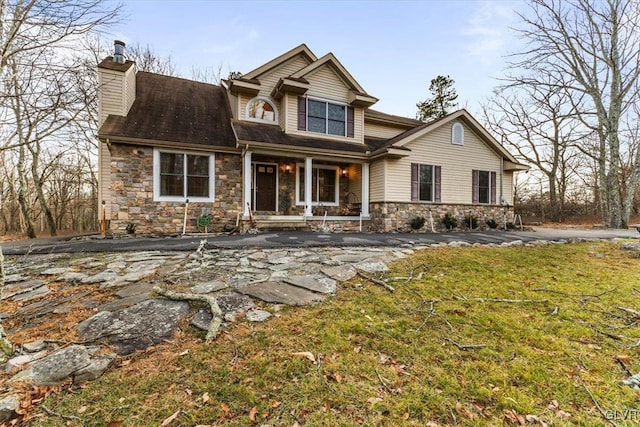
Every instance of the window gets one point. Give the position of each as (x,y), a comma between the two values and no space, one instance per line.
(324,185)
(457,134)
(425,182)
(178,176)
(261,109)
(325,117)
(484,187)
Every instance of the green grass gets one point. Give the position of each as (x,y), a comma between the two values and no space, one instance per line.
(386,359)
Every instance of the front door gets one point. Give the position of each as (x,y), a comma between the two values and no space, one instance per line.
(264,187)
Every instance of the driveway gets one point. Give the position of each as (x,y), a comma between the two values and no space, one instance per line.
(288,239)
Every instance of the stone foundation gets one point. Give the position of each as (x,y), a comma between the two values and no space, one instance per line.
(132,194)
(397,216)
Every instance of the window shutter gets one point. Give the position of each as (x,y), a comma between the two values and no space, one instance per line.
(302,113)
(414,181)
(493,188)
(475,186)
(437,173)
(350,121)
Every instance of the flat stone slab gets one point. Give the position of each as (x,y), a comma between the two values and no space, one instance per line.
(135,289)
(31,295)
(135,328)
(208,287)
(371,266)
(103,276)
(14,278)
(257,315)
(123,303)
(630,246)
(54,271)
(10,291)
(71,277)
(341,273)
(323,286)
(281,293)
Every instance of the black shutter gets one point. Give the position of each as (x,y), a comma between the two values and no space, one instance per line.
(414,181)
(493,188)
(475,186)
(302,113)
(437,173)
(350,121)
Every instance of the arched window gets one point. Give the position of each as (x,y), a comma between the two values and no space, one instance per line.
(457,134)
(261,109)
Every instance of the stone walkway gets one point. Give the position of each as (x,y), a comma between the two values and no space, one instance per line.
(116,290)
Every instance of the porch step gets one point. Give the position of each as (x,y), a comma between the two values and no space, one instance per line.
(275,225)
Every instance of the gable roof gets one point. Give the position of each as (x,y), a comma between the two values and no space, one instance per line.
(462,115)
(298,50)
(330,59)
(173,109)
(371,115)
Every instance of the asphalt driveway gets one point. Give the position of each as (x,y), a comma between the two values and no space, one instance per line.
(288,239)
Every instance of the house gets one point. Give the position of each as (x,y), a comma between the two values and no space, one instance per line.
(292,142)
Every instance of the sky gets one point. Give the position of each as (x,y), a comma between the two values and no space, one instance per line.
(392,48)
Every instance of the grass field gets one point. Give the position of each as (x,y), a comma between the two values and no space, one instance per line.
(471,336)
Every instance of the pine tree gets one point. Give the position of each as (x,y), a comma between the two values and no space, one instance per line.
(442,100)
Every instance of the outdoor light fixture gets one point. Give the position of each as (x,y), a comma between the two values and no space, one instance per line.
(344,172)
(287,169)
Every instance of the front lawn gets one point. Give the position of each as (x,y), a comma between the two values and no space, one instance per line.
(471,336)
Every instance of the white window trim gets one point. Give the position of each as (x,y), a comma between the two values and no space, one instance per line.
(268,101)
(453,133)
(327,102)
(330,167)
(156,178)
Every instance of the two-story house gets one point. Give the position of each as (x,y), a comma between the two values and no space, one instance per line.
(293,141)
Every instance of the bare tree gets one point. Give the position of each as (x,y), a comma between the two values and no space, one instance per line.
(148,60)
(213,74)
(539,124)
(39,98)
(590,51)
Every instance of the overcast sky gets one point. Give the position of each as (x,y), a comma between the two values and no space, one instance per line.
(393,49)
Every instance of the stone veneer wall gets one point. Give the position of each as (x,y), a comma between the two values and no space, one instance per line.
(385,216)
(132,194)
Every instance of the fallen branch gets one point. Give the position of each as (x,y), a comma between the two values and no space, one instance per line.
(214,326)
(56,414)
(465,346)
(566,294)
(604,413)
(376,281)
(511,301)
(629,311)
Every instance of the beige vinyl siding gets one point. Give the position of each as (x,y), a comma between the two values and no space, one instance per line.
(269,80)
(111,85)
(457,163)
(104,192)
(507,184)
(129,89)
(377,183)
(324,84)
(381,131)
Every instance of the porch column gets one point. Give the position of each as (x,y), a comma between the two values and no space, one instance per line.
(365,190)
(246,182)
(308,188)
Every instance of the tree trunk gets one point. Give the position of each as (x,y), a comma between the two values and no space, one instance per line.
(25,209)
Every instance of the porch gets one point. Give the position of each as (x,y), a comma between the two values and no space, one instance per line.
(304,192)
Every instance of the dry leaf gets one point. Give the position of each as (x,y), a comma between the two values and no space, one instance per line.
(170,419)
(405,416)
(306,354)
(275,404)
(623,358)
(513,417)
(225,409)
(205,398)
(115,423)
(374,400)
(461,410)
(82,409)
(383,358)
(563,415)
(252,414)
(553,405)
(357,349)
(337,377)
